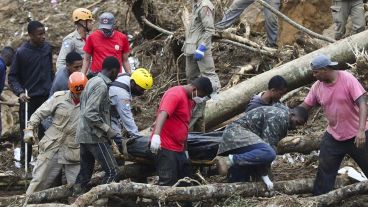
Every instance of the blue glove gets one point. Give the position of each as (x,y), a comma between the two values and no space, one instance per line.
(199,53)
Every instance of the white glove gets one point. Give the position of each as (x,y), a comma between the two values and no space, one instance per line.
(28,136)
(155,143)
(268,182)
(186,154)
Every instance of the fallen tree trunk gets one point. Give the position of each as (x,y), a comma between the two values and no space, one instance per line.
(62,192)
(338,195)
(301,143)
(196,193)
(297,73)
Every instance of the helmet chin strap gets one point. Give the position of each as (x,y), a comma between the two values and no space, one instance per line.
(84,26)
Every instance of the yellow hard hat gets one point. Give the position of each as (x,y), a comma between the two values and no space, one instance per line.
(143,78)
(82,14)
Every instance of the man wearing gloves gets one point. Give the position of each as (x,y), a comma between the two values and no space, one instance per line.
(249,143)
(57,149)
(170,132)
(121,92)
(94,132)
(197,51)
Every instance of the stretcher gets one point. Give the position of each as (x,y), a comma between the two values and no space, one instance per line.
(202,148)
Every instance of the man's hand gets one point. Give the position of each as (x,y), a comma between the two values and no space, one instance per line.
(155,143)
(24,98)
(199,53)
(28,136)
(360,139)
(111,133)
(267,182)
(187,154)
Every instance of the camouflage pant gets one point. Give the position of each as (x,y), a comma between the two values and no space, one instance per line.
(237,8)
(341,9)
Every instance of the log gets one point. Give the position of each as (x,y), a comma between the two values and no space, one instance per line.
(64,191)
(196,193)
(243,40)
(338,195)
(236,77)
(300,143)
(297,73)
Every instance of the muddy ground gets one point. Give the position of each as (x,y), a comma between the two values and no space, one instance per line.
(157,55)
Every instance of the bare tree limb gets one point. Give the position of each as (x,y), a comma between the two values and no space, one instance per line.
(64,191)
(336,196)
(164,31)
(264,52)
(294,24)
(195,193)
(236,38)
(224,38)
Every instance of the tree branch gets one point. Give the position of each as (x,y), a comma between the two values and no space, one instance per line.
(224,37)
(294,24)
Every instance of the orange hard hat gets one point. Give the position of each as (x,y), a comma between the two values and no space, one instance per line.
(77,82)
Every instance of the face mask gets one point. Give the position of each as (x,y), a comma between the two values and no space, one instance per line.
(197,99)
(136,92)
(107,32)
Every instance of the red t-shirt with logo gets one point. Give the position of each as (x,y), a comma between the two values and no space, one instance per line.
(178,106)
(100,47)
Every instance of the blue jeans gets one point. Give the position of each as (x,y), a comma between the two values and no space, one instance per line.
(332,152)
(249,160)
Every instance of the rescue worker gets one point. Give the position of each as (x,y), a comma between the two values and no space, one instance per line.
(75,41)
(249,143)
(271,21)
(74,63)
(106,41)
(277,87)
(198,55)
(94,133)
(170,131)
(57,150)
(343,100)
(341,9)
(31,70)
(121,92)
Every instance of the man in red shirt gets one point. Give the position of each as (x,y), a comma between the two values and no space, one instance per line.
(105,42)
(343,100)
(171,129)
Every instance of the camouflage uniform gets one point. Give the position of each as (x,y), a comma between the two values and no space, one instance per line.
(200,30)
(72,42)
(252,139)
(271,22)
(58,148)
(266,124)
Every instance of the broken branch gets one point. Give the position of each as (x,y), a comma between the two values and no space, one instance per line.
(195,193)
(294,24)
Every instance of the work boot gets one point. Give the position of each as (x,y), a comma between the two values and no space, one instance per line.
(223,165)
